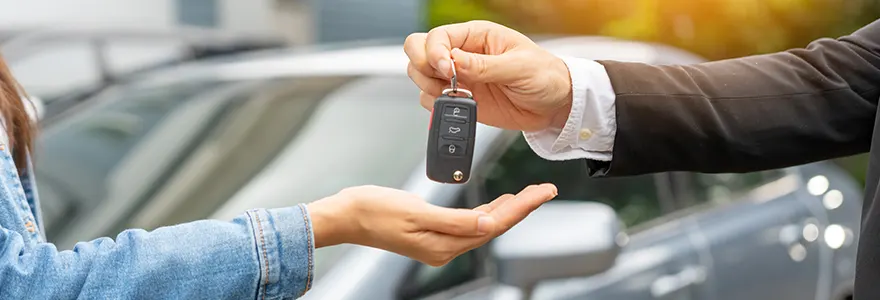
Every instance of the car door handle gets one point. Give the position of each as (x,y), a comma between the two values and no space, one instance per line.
(668,284)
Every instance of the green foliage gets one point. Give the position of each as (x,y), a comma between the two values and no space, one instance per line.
(715,29)
(856,165)
(441,12)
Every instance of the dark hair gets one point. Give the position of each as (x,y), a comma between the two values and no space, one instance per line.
(19,126)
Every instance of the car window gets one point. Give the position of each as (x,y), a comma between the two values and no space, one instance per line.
(84,159)
(634,198)
(238,146)
(695,189)
(367,146)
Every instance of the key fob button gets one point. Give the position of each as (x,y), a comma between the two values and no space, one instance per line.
(456,112)
(452,148)
(454,129)
(453,138)
(455,120)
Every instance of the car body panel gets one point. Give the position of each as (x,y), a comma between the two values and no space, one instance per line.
(767,223)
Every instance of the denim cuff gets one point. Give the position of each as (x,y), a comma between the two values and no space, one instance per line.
(285,247)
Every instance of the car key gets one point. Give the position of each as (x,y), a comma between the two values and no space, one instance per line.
(451,135)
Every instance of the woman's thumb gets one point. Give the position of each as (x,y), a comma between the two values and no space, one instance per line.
(482,68)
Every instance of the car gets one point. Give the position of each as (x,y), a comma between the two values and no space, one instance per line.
(63,65)
(213,138)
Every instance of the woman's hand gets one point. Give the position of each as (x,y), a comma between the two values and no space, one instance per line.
(517,84)
(404,223)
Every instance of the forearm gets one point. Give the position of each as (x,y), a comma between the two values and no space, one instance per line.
(745,114)
(264,253)
(751,113)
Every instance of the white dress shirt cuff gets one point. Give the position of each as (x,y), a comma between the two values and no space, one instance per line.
(591,125)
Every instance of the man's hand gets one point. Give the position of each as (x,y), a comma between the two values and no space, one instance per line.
(404,223)
(516,84)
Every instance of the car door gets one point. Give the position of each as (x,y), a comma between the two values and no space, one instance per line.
(659,248)
(659,260)
(762,235)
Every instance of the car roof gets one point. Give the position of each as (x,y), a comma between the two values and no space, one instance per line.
(22,39)
(388,58)
(188,33)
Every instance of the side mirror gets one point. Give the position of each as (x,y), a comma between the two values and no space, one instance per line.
(561,239)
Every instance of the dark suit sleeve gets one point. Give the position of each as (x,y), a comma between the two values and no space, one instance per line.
(746,114)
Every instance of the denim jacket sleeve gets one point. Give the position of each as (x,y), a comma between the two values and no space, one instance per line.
(261,254)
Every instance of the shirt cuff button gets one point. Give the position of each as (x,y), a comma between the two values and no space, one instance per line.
(586,134)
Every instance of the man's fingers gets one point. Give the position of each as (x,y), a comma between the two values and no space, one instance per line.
(515,210)
(481,37)
(459,222)
(427,100)
(438,44)
(430,85)
(441,40)
(414,46)
(483,68)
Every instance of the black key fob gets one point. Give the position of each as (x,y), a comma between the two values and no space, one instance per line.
(451,137)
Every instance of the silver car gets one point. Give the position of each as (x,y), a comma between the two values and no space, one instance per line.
(94,57)
(214,138)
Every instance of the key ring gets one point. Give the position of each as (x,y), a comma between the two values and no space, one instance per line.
(449,92)
(454,82)
(454,77)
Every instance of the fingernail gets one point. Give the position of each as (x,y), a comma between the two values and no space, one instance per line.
(484,224)
(461,58)
(443,67)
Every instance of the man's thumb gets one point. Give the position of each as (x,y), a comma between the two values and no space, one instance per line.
(482,68)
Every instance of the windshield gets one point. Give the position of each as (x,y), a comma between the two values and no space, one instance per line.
(150,156)
(368,132)
(78,156)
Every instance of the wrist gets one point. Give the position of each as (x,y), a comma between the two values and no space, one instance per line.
(558,119)
(332,222)
(565,97)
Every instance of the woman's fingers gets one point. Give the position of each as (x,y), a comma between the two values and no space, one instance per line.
(488,207)
(507,211)
(488,220)
(514,210)
(453,221)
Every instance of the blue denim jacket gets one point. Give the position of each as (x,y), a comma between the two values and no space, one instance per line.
(261,254)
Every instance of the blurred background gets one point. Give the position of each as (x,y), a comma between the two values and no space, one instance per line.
(158,112)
